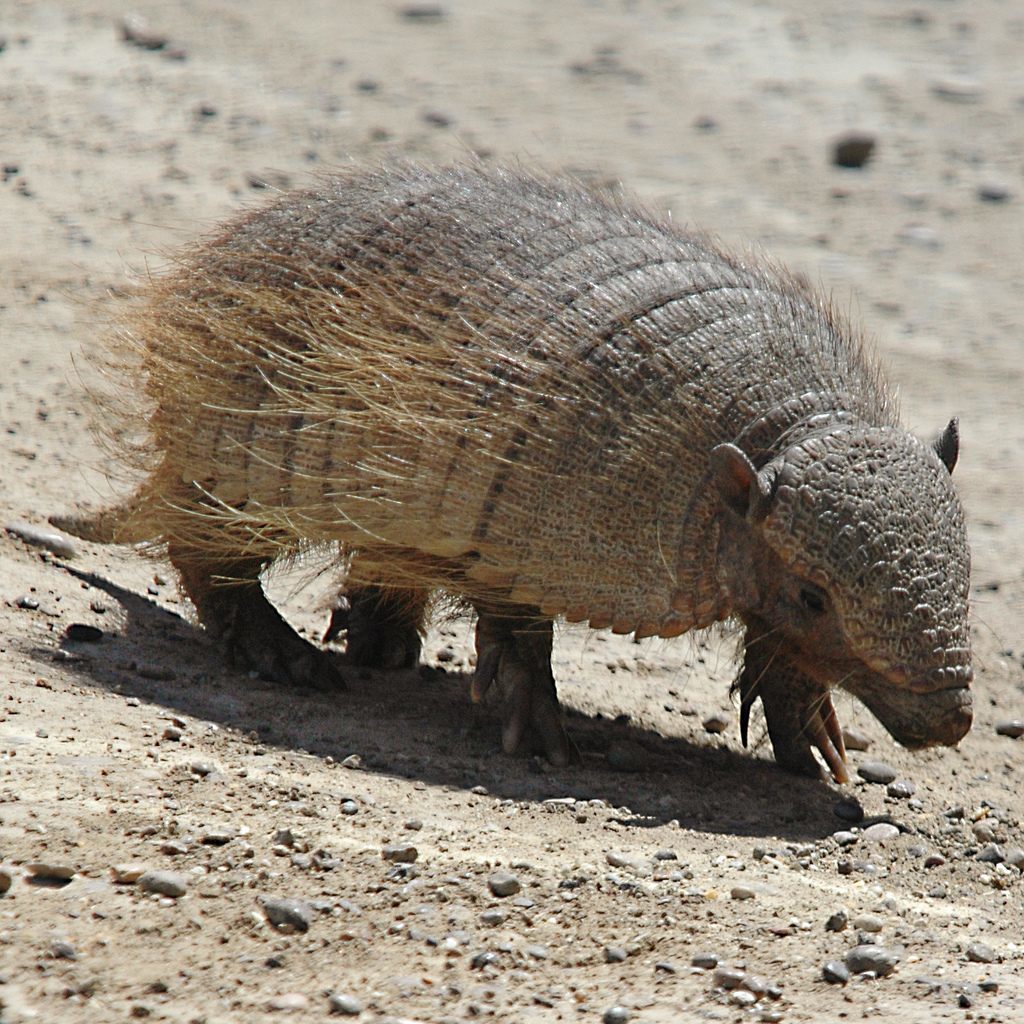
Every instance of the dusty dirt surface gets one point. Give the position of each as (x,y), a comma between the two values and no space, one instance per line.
(671,843)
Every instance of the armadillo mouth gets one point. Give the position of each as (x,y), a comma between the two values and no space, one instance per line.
(940,717)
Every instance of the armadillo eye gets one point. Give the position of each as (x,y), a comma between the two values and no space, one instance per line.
(813,598)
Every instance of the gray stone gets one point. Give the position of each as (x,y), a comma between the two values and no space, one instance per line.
(877,772)
(503,883)
(340,1002)
(1014,728)
(400,853)
(50,871)
(287,915)
(980,953)
(901,789)
(835,973)
(880,832)
(615,1015)
(706,961)
(164,883)
(869,957)
(615,955)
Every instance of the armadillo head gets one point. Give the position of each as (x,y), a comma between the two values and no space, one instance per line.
(851,547)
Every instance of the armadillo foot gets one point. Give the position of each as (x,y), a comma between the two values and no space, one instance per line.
(514,655)
(798,711)
(382,627)
(254,635)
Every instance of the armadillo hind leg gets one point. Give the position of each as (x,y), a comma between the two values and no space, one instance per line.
(513,647)
(798,710)
(230,602)
(383,626)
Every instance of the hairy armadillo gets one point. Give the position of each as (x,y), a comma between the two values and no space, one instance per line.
(550,404)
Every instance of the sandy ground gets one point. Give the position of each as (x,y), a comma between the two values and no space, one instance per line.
(671,841)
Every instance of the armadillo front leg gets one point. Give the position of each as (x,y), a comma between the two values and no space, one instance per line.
(513,648)
(230,602)
(797,709)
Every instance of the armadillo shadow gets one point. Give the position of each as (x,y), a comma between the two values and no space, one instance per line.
(420,725)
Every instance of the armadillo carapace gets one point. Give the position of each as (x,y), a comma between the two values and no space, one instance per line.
(549,404)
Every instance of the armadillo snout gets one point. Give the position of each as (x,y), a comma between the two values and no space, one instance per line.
(940,717)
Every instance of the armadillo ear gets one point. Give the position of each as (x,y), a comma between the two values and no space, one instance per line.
(737,481)
(947,444)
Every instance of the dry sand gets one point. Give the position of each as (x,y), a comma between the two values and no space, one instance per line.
(142,748)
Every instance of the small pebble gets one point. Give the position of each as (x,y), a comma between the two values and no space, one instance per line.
(854,739)
(665,967)
(400,853)
(615,1015)
(289,1002)
(1014,856)
(845,838)
(83,633)
(46,871)
(934,860)
(728,977)
(868,923)
(837,922)
(287,915)
(849,810)
(877,772)
(166,883)
(202,768)
(64,950)
(349,807)
(341,1002)
(870,957)
(353,761)
(835,973)
(502,883)
(741,997)
(41,537)
(623,860)
(993,192)
(707,961)
(991,854)
(742,892)
(1014,728)
(414,824)
(6,878)
(880,832)
(716,723)
(853,149)
(901,789)
(615,955)
(28,602)
(127,874)
(958,89)
(980,953)
(492,918)
(172,733)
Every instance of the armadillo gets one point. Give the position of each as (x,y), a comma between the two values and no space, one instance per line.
(549,403)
